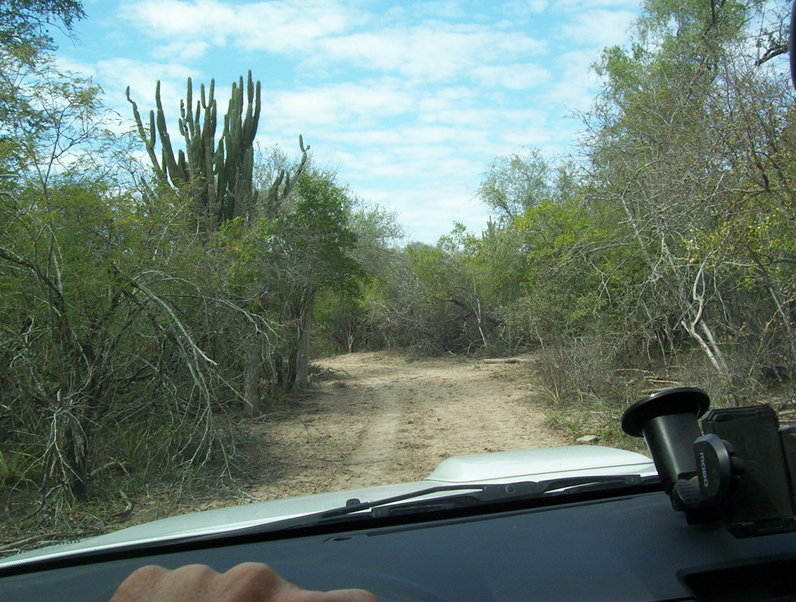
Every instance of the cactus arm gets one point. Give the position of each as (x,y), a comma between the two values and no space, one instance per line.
(147,139)
(175,174)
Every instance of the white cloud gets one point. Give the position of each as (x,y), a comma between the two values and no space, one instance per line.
(272,26)
(489,120)
(116,74)
(337,106)
(599,27)
(517,76)
(578,82)
(427,211)
(178,18)
(434,211)
(570,6)
(524,9)
(183,51)
(426,52)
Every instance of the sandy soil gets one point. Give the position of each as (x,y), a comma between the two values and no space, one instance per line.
(377,418)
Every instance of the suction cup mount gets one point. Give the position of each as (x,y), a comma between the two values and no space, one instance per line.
(668,422)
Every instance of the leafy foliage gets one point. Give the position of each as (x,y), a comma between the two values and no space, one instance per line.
(24,23)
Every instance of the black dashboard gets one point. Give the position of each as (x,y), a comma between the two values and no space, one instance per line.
(627,547)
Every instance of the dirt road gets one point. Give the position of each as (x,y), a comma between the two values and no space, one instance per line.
(376,418)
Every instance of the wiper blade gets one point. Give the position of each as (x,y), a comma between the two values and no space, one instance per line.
(478,494)
(470,494)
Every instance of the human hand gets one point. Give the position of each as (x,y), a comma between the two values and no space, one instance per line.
(249,581)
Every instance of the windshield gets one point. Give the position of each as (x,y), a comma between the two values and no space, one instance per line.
(255,250)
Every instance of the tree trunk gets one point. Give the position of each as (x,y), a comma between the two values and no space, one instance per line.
(253,372)
(305,328)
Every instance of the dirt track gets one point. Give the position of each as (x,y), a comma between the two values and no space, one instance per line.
(375,418)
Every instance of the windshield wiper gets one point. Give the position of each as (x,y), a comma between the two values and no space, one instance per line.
(470,494)
(478,494)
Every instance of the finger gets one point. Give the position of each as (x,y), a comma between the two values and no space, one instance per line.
(251,581)
(257,581)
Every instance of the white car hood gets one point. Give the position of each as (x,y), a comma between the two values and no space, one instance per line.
(499,467)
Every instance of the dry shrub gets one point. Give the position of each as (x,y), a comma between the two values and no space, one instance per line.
(589,369)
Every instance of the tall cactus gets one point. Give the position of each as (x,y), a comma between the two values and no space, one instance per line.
(217,176)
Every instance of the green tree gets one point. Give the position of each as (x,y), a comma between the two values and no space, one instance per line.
(277,266)
(24,24)
(357,317)
(688,135)
(45,114)
(438,302)
(317,233)
(50,122)
(516,182)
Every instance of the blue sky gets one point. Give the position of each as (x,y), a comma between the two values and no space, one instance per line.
(408,102)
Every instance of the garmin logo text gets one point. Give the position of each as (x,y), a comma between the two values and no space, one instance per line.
(704,470)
